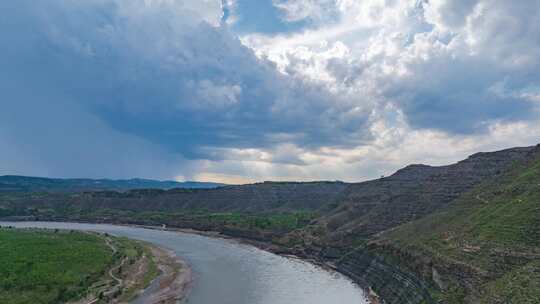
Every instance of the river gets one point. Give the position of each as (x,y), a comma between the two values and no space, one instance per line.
(227,272)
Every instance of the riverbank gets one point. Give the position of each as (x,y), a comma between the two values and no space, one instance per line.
(231,273)
(88,268)
(144,273)
(173,284)
(371,296)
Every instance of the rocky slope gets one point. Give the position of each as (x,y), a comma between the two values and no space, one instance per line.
(404,236)
(483,248)
(411,193)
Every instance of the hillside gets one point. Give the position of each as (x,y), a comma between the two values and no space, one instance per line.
(14,183)
(411,193)
(262,197)
(485,247)
(464,233)
(257,211)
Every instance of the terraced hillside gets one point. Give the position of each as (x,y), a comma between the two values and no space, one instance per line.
(260,211)
(465,233)
(262,197)
(412,193)
(485,248)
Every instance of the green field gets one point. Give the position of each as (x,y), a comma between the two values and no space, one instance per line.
(49,266)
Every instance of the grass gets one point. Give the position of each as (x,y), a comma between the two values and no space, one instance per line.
(48,266)
(270,221)
(519,286)
(134,251)
(57,266)
(152,272)
(494,231)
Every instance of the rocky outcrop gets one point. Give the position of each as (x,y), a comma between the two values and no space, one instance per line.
(387,280)
(380,270)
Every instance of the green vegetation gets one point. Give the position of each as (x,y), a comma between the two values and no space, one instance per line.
(285,221)
(519,286)
(135,253)
(49,266)
(271,221)
(282,222)
(56,266)
(492,234)
(268,221)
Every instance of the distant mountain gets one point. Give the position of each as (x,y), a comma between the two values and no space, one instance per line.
(33,184)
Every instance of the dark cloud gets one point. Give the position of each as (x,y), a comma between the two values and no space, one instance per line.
(460,95)
(125,88)
(180,83)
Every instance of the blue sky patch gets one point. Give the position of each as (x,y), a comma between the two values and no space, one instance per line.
(262,17)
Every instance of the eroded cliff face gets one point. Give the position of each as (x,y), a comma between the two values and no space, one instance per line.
(348,237)
(386,275)
(387,280)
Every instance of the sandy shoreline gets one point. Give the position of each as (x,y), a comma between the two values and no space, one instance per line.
(172,285)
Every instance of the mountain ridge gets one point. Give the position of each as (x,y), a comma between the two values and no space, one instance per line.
(412,192)
(32,183)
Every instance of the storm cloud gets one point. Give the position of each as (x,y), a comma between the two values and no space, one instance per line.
(164,88)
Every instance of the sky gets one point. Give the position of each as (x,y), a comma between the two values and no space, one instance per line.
(240,91)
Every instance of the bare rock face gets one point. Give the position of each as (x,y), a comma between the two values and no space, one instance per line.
(411,193)
(393,285)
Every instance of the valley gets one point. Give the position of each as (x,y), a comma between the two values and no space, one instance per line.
(449,234)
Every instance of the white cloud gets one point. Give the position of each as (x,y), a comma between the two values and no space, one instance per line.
(459,76)
(392,150)
(297,10)
(428,59)
(368,87)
